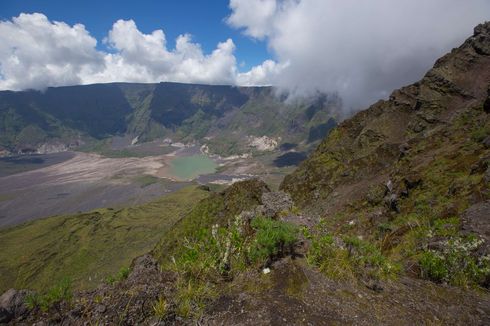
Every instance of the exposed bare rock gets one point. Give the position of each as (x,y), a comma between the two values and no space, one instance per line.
(476,220)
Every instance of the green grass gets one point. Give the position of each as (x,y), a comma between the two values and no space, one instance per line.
(87,247)
(271,237)
(120,276)
(214,254)
(160,308)
(52,297)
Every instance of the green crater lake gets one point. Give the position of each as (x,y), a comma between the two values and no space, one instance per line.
(190,167)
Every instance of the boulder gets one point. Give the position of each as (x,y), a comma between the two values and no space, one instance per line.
(12,305)
(276,202)
(476,220)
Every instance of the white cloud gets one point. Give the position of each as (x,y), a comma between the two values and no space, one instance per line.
(362,49)
(263,74)
(255,16)
(36,53)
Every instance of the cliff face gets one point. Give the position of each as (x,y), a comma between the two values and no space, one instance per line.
(443,116)
(221,117)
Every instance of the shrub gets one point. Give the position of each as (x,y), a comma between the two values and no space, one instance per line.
(272,238)
(455,264)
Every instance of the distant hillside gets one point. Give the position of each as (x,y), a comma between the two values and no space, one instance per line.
(223,117)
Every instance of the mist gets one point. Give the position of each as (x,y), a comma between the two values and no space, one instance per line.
(363,49)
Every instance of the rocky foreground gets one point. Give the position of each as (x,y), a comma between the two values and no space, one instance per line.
(387,223)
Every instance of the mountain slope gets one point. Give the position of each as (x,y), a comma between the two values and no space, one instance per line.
(223,117)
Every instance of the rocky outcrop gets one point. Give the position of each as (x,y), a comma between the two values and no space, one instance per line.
(128,302)
(274,204)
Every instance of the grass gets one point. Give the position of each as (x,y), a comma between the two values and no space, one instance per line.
(350,260)
(52,297)
(218,253)
(87,247)
(160,308)
(120,276)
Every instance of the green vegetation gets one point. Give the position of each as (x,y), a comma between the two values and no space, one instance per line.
(349,258)
(87,247)
(120,276)
(221,116)
(213,245)
(160,308)
(52,297)
(103,147)
(214,254)
(271,238)
(456,264)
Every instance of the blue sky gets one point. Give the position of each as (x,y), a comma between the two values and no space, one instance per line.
(204,20)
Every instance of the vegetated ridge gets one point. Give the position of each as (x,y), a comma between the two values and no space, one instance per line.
(222,117)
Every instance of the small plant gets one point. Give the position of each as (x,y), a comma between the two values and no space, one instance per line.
(192,296)
(160,308)
(121,275)
(479,135)
(331,259)
(53,297)
(367,257)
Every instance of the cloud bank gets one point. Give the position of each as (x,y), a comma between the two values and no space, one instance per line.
(36,52)
(362,49)
(359,49)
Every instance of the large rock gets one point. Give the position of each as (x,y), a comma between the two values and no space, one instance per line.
(12,305)
(275,203)
(476,220)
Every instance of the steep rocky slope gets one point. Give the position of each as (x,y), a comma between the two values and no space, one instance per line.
(442,117)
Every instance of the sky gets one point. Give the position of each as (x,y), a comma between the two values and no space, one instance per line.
(358,49)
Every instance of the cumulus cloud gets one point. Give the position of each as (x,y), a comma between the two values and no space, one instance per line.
(361,49)
(263,74)
(36,52)
(255,16)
